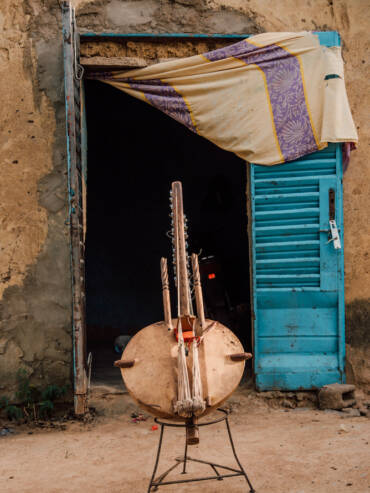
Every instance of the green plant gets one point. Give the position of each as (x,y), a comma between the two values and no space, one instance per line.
(27,393)
(53,392)
(48,396)
(14,412)
(11,411)
(46,409)
(35,403)
(4,402)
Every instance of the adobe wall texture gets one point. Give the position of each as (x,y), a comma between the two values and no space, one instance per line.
(35,306)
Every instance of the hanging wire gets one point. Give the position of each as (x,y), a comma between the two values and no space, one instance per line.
(78,69)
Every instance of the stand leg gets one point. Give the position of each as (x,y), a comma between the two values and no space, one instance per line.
(220,478)
(236,457)
(156,461)
(226,471)
(185,455)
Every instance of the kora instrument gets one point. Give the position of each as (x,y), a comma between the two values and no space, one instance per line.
(186,366)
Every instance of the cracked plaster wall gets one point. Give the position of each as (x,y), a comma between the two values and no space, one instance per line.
(35,306)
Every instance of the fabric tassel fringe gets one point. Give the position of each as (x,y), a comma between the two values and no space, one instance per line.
(199,404)
(188,404)
(184,404)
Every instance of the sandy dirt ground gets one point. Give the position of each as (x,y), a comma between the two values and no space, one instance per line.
(283,450)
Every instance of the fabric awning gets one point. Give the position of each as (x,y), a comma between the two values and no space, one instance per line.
(270,98)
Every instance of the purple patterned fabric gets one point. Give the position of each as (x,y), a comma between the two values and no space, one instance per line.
(236,50)
(286,91)
(285,88)
(100,75)
(160,94)
(164,97)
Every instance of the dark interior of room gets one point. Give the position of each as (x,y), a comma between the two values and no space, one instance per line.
(134,153)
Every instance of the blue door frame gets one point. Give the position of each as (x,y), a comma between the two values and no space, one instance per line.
(277,379)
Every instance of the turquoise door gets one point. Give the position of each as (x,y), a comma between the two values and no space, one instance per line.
(298,272)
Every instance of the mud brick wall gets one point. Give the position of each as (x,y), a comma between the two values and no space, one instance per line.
(35,286)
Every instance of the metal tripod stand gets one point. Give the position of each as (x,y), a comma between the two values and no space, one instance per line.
(229,471)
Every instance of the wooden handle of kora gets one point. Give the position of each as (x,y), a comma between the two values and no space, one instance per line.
(166,294)
(198,293)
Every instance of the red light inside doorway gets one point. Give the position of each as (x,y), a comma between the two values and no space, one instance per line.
(212,276)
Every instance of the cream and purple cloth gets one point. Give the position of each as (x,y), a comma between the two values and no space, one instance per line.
(270,98)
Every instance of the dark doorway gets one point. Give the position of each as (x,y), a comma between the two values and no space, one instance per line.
(134,153)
